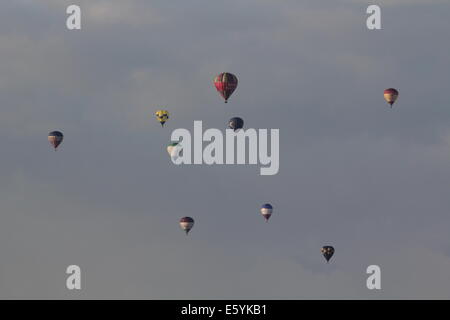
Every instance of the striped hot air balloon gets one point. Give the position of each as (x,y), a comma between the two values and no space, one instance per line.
(266,211)
(390,95)
(55,138)
(186,223)
(225,84)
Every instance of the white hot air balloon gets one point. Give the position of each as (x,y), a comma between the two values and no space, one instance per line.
(174,150)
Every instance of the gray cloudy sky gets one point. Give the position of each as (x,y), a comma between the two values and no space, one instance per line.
(371,181)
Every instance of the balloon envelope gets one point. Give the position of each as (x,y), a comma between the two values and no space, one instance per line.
(225,84)
(327,252)
(174,149)
(55,138)
(236,123)
(162,116)
(186,223)
(266,211)
(390,95)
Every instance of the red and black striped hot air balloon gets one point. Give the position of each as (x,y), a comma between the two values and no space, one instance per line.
(390,95)
(225,84)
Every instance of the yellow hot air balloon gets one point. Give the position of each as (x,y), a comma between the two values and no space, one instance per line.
(162,116)
(390,95)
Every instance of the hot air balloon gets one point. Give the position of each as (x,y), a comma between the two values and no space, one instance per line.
(266,211)
(327,252)
(225,84)
(186,223)
(174,149)
(390,95)
(236,123)
(162,116)
(55,138)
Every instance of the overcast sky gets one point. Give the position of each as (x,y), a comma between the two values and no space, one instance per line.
(369,180)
